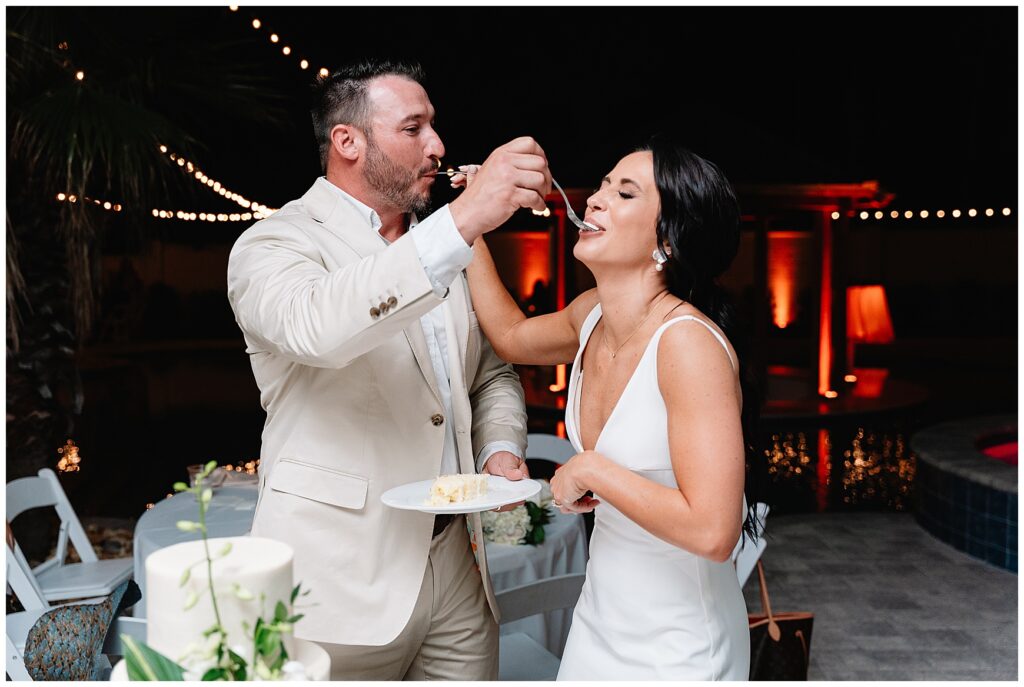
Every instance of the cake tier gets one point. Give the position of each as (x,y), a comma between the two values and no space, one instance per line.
(260,566)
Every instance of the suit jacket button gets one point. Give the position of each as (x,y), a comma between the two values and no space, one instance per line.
(374,313)
(392,302)
(437,419)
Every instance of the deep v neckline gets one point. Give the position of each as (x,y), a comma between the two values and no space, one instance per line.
(618,401)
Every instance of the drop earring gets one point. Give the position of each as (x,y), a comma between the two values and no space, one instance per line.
(660,259)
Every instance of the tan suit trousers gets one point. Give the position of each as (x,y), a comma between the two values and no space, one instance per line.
(451,634)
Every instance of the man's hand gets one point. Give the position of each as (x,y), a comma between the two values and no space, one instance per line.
(509,466)
(514,176)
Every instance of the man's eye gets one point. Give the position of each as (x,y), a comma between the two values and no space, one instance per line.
(412,129)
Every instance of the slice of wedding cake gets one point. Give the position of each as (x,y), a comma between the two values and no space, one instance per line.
(448,489)
(249,580)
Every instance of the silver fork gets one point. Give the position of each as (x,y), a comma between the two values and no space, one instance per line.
(585,226)
(570,213)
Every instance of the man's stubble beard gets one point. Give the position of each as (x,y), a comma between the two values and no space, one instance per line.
(394,184)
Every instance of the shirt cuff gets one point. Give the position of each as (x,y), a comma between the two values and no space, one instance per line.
(490,449)
(441,249)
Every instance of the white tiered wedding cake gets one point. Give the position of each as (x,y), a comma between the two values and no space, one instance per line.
(249,582)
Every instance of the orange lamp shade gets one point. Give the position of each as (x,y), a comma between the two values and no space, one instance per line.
(867,315)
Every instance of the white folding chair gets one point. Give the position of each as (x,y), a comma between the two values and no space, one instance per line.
(520,657)
(22,582)
(57,580)
(549,447)
(746,554)
(17,627)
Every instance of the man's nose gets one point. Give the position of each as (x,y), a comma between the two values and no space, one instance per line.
(435,148)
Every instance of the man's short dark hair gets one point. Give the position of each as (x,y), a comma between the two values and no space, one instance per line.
(341,97)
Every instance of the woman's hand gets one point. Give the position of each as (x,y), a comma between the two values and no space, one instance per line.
(464,177)
(572,481)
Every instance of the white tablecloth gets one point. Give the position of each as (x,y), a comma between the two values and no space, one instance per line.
(230,514)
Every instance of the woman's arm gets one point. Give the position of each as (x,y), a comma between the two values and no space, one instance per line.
(704,514)
(551,339)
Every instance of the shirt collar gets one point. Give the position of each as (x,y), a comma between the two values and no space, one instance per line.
(368,213)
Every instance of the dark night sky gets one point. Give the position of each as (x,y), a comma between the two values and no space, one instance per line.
(922,99)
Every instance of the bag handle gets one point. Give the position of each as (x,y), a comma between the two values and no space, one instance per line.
(773,628)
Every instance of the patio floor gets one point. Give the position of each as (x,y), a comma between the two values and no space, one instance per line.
(891,602)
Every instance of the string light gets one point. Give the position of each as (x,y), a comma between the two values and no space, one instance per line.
(80,75)
(105,204)
(259,211)
(835,215)
(925,214)
(286,50)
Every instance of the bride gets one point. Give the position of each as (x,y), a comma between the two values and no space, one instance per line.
(654,411)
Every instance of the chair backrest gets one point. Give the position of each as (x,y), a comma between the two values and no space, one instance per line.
(551,594)
(747,553)
(549,447)
(44,491)
(23,582)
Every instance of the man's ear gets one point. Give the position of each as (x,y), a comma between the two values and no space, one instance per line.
(347,141)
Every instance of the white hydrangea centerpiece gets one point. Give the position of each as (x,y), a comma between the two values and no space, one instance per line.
(523,524)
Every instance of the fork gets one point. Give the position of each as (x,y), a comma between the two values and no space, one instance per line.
(570,213)
(585,226)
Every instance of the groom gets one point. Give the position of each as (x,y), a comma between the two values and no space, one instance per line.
(374,373)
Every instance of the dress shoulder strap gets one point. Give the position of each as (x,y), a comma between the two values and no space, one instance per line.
(589,324)
(721,339)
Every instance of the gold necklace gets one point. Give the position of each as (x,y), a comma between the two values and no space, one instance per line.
(604,332)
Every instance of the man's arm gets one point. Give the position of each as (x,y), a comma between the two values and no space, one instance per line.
(288,302)
(499,410)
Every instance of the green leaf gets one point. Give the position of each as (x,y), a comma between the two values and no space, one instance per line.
(215,674)
(180,486)
(147,665)
(239,665)
(280,612)
(225,550)
(207,495)
(209,467)
(295,592)
(191,600)
(296,618)
(268,641)
(185,577)
(187,525)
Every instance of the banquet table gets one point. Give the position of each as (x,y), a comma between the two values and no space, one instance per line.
(230,514)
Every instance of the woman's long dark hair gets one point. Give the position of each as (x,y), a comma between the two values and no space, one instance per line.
(699,232)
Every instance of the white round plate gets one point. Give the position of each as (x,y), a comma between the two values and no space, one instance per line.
(500,492)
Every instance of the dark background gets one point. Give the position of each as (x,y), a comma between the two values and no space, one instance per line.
(922,99)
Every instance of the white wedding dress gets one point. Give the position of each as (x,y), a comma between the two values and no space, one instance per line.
(648,610)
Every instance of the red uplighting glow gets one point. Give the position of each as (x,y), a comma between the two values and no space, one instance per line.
(825,336)
(783,259)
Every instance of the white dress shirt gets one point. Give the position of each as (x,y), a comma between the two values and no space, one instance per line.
(443,253)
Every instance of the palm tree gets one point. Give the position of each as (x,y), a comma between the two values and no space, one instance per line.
(91,95)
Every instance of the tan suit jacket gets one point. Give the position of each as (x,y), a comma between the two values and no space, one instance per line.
(331,322)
